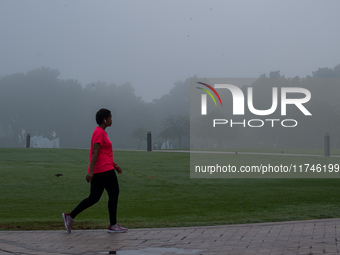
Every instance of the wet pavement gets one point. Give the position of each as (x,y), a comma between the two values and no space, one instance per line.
(294,237)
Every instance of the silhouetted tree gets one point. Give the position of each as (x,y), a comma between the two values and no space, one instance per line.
(176,126)
(140,134)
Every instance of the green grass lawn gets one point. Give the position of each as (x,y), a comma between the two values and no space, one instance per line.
(281,150)
(155,191)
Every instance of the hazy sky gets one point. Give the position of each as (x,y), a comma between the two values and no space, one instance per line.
(153,44)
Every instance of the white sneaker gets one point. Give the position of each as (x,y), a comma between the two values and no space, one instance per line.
(67,221)
(116,229)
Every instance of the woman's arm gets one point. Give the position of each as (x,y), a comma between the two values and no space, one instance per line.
(118,169)
(95,151)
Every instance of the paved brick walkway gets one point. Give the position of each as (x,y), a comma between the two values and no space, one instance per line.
(296,237)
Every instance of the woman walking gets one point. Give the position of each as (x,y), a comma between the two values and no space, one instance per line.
(101,174)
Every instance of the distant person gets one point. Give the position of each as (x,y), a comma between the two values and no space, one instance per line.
(101,174)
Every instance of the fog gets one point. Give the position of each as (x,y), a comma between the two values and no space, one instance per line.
(61,61)
(153,44)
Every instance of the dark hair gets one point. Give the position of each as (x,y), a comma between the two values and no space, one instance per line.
(101,115)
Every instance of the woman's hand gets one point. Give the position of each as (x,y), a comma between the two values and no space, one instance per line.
(89,177)
(118,169)
(95,152)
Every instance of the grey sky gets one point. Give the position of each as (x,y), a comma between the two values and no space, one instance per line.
(153,44)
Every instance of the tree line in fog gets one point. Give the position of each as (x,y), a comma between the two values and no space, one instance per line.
(40,103)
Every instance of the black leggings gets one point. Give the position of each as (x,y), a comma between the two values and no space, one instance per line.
(106,180)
